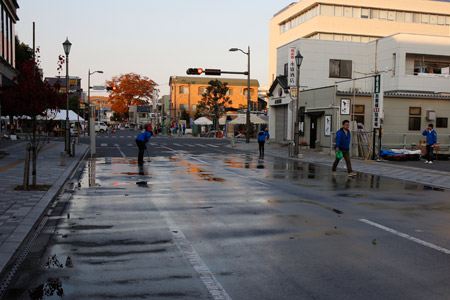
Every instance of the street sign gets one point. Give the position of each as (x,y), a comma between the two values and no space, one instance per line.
(377,85)
(82,106)
(293,93)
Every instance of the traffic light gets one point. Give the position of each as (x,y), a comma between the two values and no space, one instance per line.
(194,71)
(265,112)
(111,88)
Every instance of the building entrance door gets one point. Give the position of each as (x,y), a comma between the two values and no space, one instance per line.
(313,132)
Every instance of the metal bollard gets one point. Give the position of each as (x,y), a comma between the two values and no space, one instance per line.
(232,143)
(62,159)
(291,149)
(73,147)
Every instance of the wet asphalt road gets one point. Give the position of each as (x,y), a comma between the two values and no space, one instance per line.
(213,223)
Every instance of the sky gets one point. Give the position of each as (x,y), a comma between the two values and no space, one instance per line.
(153,38)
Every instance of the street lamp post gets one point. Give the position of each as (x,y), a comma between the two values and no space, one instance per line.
(247,131)
(91,126)
(298,60)
(67,45)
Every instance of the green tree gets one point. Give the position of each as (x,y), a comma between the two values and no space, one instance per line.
(215,100)
(185,116)
(23,52)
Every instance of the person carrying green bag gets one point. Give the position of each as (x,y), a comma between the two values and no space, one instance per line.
(343,139)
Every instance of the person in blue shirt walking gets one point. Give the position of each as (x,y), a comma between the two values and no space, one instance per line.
(431,135)
(141,141)
(263,135)
(343,138)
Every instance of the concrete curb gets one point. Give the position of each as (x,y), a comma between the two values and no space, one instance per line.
(30,222)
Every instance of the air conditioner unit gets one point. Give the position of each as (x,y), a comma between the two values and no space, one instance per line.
(431,115)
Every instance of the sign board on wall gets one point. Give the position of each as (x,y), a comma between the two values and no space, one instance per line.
(292,77)
(378,98)
(345,106)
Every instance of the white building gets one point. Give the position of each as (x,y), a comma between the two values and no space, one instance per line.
(415,69)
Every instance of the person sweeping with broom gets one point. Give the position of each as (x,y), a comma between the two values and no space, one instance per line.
(141,141)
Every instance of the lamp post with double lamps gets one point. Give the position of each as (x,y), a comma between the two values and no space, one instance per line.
(247,131)
(67,45)
(298,61)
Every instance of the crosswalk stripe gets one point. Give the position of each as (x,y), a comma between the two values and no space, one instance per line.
(103,145)
(190,145)
(116,145)
(177,145)
(214,146)
(200,145)
(130,145)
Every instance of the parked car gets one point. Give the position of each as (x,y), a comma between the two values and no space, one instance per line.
(100,127)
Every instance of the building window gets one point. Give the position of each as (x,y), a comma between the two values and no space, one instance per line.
(415,111)
(340,68)
(251,92)
(183,90)
(414,123)
(202,90)
(326,10)
(338,11)
(365,13)
(441,122)
(230,92)
(358,113)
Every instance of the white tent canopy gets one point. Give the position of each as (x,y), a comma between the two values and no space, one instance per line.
(223,121)
(203,121)
(242,119)
(61,115)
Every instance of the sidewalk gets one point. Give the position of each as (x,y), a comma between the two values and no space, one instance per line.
(21,210)
(436,175)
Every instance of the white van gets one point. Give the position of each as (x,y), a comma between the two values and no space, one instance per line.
(100,127)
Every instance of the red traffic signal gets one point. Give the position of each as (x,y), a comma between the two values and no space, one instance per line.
(265,112)
(111,88)
(194,71)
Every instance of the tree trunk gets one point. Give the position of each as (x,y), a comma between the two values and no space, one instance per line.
(11,128)
(34,151)
(26,174)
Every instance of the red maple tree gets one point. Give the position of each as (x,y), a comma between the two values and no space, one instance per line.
(131,89)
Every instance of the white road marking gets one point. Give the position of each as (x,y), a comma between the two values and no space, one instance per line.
(129,136)
(130,145)
(178,145)
(118,148)
(190,145)
(103,145)
(206,276)
(214,146)
(200,145)
(406,236)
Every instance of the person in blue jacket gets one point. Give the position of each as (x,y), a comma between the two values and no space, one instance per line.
(343,139)
(141,141)
(431,135)
(263,135)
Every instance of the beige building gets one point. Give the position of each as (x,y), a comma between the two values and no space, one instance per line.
(358,21)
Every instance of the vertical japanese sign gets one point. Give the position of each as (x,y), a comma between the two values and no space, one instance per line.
(292,82)
(378,98)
